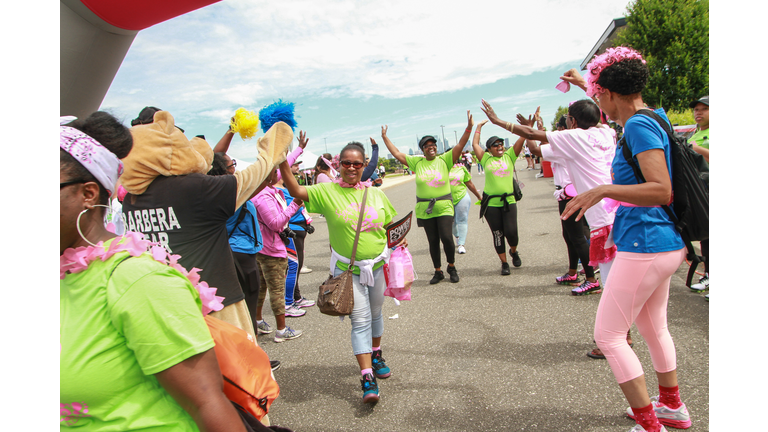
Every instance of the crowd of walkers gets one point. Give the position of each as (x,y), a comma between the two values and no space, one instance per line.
(133,355)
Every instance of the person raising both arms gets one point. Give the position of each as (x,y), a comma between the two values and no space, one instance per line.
(434,205)
(498,205)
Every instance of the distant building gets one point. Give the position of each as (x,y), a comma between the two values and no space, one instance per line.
(506,142)
(410,151)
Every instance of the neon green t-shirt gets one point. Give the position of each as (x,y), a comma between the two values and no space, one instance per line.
(701,138)
(459,175)
(432,181)
(341,208)
(116,333)
(499,175)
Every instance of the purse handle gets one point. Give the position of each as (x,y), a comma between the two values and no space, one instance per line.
(359,226)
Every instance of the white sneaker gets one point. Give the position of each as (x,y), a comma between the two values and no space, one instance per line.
(294,311)
(702,285)
(676,418)
(263,328)
(539,175)
(305,270)
(461,249)
(287,334)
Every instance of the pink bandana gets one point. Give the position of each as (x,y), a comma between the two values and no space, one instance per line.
(99,161)
(359,185)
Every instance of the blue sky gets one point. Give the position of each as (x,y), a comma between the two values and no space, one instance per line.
(351,67)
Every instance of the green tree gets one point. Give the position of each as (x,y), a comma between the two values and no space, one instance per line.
(561,111)
(682,118)
(673,36)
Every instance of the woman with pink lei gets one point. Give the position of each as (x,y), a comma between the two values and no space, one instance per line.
(340,202)
(650,249)
(135,349)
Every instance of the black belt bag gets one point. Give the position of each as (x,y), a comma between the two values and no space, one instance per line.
(432,201)
(487,198)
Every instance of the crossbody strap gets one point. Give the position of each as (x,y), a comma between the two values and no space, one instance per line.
(359,226)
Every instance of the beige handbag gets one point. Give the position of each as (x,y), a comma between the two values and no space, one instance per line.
(337,296)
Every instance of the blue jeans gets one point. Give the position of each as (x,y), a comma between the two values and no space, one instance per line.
(461,219)
(366,317)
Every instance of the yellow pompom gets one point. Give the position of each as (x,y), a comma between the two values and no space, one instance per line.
(246,123)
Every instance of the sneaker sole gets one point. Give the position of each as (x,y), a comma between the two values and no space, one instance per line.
(677,424)
(569,283)
(698,290)
(597,291)
(295,315)
(371,398)
(386,375)
(261,332)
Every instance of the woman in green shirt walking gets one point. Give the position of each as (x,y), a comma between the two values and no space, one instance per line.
(434,206)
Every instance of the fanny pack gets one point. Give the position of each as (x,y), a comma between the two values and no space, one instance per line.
(487,198)
(432,201)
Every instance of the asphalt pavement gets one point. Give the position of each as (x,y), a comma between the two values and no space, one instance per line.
(490,353)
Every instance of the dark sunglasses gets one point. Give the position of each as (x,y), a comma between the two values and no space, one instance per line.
(70,183)
(497,144)
(234,164)
(347,164)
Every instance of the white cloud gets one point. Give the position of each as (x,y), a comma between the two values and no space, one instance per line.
(249,52)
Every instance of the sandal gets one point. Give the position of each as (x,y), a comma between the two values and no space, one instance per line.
(596,354)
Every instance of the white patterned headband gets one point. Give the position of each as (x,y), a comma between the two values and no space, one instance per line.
(99,161)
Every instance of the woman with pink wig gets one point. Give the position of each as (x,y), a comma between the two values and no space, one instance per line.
(649,249)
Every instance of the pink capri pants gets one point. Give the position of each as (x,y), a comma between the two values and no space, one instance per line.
(637,290)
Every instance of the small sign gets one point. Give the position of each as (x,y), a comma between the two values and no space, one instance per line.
(397,231)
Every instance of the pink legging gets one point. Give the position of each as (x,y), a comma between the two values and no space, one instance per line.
(637,290)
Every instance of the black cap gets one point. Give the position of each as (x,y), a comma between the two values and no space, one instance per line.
(146,116)
(704,100)
(425,139)
(492,140)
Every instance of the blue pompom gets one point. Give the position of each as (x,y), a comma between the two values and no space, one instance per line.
(275,112)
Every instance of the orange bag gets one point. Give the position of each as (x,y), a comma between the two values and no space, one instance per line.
(245,367)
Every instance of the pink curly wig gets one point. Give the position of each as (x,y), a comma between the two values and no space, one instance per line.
(608,58)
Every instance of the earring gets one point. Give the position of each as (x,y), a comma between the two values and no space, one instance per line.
(78,222)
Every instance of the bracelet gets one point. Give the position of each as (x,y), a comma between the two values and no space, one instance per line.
(469,129)
(477,131)
(509,126)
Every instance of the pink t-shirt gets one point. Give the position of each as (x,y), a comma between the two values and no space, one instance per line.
(322,178)
(588,155)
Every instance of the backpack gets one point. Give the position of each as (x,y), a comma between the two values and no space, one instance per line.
(690,190)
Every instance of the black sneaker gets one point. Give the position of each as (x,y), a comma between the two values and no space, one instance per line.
(504,269)
(454,274)
(274,364)
(370,389)
(437,277)
(515,258)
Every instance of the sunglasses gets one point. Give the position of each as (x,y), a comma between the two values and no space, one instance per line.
(498,144)
(234,164)
(70,183)
(429,144)
(347,164)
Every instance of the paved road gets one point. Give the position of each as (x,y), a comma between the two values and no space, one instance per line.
(489,353)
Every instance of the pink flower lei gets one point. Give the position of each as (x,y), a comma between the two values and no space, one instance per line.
(77,260)
(609,57)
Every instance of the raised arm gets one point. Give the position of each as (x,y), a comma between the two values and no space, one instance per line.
(272,147)
(223,145)
(291,159)
(289,181)
(373,163)
(524,131)
(476,147)
(400,156)
(458,148)
(574,77)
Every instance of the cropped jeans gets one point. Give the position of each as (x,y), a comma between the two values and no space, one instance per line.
(461,219)
(366,317)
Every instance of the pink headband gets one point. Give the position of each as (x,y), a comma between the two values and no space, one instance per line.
(608,58)
(99,161)
(334,174)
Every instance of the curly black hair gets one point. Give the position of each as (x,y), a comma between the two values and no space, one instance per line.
(218,165)
(110,133)
(625,77)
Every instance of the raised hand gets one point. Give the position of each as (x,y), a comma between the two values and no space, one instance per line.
(574,77)
(384,131)
(303,140)
(373,142)
(470,121)
(525,121)
(490,113)
(480,125)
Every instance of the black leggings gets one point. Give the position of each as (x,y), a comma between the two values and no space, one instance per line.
(503,225)
(248,275)
(439,229)
(578,248)
(705,254)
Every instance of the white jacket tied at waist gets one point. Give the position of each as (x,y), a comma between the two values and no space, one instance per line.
(365,266)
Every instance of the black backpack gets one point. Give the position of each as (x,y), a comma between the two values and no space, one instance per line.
(690,190)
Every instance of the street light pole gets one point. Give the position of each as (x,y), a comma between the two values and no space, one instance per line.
(441,128)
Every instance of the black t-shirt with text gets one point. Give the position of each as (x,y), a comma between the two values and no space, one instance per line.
(188,215)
